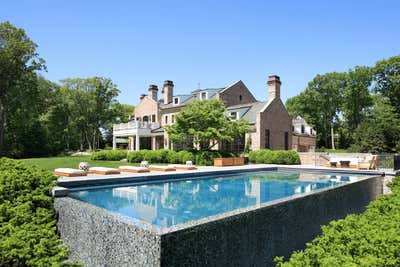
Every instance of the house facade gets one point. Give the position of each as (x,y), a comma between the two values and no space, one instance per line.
(270,123)
(304,138)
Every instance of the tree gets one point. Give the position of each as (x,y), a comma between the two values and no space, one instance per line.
(387,80)
(91,103)
(380,131)
(18,61)
(320,104)
(206,121)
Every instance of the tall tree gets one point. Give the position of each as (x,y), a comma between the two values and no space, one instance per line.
(207,122)
(18,58)
(387,80)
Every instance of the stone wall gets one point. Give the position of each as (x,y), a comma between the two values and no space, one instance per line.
(247,237)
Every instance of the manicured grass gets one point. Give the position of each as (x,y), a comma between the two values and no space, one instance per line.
(72,162)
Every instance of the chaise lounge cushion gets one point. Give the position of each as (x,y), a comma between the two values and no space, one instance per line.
(103,170)
(161,168)
(133,169)
(182,167)
(69,172)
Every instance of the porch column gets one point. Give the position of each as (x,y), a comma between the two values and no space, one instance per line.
(137,142)
(114,142)
(130,143)
(153,143)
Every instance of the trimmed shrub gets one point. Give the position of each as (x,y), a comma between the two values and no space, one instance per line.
(288,157)
(369,239)
(112,155)
(27,218)
(206,157)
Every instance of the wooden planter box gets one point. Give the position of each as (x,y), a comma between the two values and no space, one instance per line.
(228,162)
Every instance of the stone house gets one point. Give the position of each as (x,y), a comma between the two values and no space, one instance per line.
(271,125)
(304,138)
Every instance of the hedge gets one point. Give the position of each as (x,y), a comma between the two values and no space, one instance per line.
(287,157)
(171,156)
(113,155)
(28,235)
(369,239)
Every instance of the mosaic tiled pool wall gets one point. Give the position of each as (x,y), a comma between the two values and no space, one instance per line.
(248,238)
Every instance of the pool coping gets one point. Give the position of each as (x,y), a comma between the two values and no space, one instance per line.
(66,183)
(237,212)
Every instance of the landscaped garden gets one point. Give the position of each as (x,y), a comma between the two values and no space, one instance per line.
(369,239)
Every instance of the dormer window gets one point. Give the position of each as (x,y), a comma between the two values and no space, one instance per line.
(240,98)
(234,115)
(176,100)
(203,95)
(302,129)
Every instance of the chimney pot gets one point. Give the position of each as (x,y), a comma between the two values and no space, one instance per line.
(168,91)
(153,89)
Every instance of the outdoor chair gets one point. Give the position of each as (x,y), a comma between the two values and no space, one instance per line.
(103,170)
(133,169)
(69,172)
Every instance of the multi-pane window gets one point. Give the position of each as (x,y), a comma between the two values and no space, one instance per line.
(153,118)
(233,115)
(204,95)
(166,119)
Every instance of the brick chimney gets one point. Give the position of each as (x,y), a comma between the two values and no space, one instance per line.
(153,92)
(142,96)
(274,87)
(168,91)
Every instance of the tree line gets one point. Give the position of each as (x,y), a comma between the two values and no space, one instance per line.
(39,117)
(358,110)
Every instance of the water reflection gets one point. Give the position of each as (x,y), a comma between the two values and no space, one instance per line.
(171,203)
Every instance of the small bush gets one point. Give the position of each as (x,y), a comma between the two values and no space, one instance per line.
(27,218)
(288,157)
(112,155)
(369,239)
(206,157)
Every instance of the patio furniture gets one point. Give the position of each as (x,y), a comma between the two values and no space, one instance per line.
(144,164)
(228,161)
(332,164)
(161,168)
(133,169)
(69,172)
(182,167)
(103,170)
(368,164)
(345,163)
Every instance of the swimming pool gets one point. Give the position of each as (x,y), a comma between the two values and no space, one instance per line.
(166,204)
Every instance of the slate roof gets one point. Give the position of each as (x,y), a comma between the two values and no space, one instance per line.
(186,99)
(248,111)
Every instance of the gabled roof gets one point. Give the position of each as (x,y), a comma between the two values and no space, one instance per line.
(186,99)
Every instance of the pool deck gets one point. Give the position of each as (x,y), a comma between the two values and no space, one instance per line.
(67,184)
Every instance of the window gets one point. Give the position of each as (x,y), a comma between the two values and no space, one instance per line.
(240,98)
(176,100)
(166,119)
(286,141)
(302,129)
(267,139)
(153,118)
(233,115)
(173,118)
(203,95)
(145,118)
(138,119)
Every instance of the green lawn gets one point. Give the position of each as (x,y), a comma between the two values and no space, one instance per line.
(72,162)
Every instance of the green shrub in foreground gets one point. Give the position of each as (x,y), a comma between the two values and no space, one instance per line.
(369,239)
(112,155)
(28,235)
(288,157)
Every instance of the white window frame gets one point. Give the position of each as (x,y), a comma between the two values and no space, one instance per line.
(178,102)
(233,117)
(201,95)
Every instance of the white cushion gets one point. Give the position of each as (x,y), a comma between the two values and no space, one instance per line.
(133,168)
(102,169)
(69,170)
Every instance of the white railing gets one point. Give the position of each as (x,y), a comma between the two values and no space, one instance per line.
(135,125)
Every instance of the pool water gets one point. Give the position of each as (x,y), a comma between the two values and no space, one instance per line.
(170,203)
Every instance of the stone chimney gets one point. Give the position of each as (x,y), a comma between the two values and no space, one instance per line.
(153,92)
(168,91)
(274,87)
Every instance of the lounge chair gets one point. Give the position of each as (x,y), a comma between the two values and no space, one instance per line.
(182,167)
(161,168)
(369,164)
(69,172)
(133,169)
(103,170)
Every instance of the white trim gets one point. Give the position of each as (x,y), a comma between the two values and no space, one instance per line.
(173,100)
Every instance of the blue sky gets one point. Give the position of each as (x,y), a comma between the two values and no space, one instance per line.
(213,43)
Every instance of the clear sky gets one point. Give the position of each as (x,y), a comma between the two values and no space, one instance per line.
(213,43)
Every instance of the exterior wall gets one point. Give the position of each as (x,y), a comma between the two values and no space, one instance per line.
(147,107)
(231,95)
(248,237)
(304,143)
(277,120)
